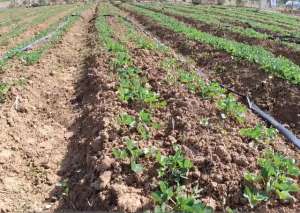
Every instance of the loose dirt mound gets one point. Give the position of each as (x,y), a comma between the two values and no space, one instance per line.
(35,121)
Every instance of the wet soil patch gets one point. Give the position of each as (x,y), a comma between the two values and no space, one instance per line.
(276,48)
(273,94)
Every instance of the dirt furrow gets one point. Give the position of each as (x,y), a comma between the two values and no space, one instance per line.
(36,123)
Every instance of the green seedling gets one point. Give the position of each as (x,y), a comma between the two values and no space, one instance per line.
(174,166)
(253,197)
(275,177)
(164,194)
(168,64)
(232,108)
(142,123)
(259,133)
(191,80)
(173,199)
(131,151)
(212,90)
(128,120)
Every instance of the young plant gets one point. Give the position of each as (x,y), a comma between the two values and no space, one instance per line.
(254,197)
(128,120)
(232,108)
(142,123)
(212,90)
(174,199)
(259,133)
(176,166)
(191,80)
(275,178)
(131,151)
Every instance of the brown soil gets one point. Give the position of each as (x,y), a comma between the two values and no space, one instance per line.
(273,94)
(35,123)
(276,48)
(97,181)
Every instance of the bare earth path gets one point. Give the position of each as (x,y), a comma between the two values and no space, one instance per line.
(34,124)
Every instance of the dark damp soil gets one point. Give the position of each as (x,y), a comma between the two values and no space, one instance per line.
(273,94)
(276,48)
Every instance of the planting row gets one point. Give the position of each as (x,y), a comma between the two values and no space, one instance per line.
(277,65)
(250,37)
(54,32)
(255,23)
(19,32)
(233,24)
(170,140)
(266,16)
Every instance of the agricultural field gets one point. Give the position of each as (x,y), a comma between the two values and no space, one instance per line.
(149,107)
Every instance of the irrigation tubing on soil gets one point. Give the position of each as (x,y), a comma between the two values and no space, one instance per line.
(287,133)
(284,131)
(36,42)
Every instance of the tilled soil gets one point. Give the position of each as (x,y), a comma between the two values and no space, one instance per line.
(35,123)
(273,94)
(97,181)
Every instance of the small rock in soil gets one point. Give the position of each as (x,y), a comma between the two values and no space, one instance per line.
(106,163)
(105,179)
(5,155)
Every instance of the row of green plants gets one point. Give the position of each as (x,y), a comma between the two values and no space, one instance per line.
(264,17)
(258,134)
(172,168)
(22,27)
(276,17)
(230,24)
(233,17)
(279,66)
(33,56)
(208,18)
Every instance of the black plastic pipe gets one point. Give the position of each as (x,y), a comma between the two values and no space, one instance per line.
(287,133)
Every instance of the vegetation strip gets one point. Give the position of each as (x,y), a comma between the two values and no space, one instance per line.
(31,57)
(245,20)
(279,66)
(22,27)
(202,24)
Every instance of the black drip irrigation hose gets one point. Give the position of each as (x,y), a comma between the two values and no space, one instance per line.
(286,38)
(287,133)
(290,136)
(30,46)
